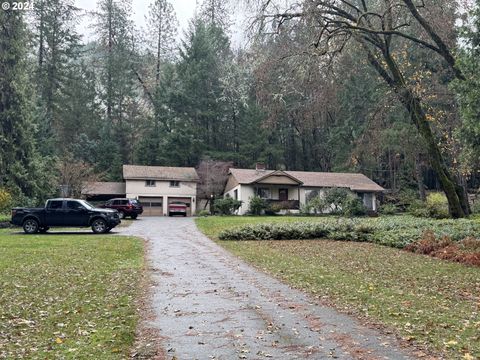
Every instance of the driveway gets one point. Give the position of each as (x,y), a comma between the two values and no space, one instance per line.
(211,305)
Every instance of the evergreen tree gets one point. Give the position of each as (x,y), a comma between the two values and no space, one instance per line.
(22,170)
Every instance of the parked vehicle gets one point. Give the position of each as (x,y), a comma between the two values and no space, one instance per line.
(177,208)
(125,207)
(65,213)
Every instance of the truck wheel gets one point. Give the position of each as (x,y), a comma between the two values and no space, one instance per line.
(99,226)
(30,226)
(121,215)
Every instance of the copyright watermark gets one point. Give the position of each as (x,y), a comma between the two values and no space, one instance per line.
(15,6)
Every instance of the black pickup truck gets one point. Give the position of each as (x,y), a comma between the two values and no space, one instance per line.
(65,213)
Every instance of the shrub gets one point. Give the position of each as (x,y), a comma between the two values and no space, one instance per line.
(257,205)
(203,213)
(388,209)
(226,206)
(393,231)
(437,205)
(337,201)
(6,201)
(419,209)
(476,207)
(353,206)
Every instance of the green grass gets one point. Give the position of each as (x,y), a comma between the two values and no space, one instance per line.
(68,296)
(4,217)
(431,302)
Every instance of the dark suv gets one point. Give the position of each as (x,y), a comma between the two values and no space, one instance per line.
(125,207)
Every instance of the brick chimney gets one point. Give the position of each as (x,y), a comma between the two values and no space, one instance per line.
(260,166)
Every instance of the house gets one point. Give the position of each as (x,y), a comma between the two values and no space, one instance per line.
(154,186)
(157,186)
(292,189)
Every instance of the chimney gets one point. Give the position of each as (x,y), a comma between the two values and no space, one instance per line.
(260,166)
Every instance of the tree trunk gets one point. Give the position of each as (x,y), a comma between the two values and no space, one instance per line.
(458,207)
(457,199)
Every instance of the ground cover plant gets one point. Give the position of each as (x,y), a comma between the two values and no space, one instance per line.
(426,301)
(394,231)
(68,295)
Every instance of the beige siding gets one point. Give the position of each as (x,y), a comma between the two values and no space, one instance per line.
(231,183)
(137,188)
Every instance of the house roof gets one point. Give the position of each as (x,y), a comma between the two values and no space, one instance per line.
(101,188)
(279,173)
(159,173)
(353,181)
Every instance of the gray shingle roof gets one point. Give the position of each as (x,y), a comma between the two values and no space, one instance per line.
(353,181)
(159,173)
(99,188)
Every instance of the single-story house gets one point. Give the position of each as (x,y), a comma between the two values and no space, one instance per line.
(157,186)
(295,188)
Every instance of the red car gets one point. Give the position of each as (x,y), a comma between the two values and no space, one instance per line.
(177,208)
(125,207)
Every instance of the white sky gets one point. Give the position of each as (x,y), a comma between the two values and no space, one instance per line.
(184,9)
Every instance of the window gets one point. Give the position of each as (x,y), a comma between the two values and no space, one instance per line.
(264,193)
(150,183)
(55,205)
(74,205)
(174,183)
(235,194)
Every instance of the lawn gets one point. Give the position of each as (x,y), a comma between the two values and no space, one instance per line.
(68,296)
(431,302)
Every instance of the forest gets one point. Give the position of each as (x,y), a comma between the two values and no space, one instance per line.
(388,88)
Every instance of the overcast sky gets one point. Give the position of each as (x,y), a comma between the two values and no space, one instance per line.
(184,9)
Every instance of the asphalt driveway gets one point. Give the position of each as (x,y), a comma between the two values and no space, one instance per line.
(211,305)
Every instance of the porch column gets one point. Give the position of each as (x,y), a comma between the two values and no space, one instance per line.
(299,197)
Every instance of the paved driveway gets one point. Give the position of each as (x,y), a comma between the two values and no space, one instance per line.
(211,305)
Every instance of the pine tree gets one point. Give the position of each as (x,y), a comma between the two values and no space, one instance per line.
(21,169)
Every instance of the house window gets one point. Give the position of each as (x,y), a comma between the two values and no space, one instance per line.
(235,194)
(264,193)
(150,183)
(174,183)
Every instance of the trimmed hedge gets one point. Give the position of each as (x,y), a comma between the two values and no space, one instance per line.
(394,231)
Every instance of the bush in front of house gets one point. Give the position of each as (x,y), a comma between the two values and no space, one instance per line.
(203,213)
(393,231)
(257,205)
(226,206)
(337,201)
(388,209)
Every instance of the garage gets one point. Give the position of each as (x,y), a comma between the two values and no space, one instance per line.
(185,200)
(152,206)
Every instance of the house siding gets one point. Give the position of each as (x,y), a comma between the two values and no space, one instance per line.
(187,189)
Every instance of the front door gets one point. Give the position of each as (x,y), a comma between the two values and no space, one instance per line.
(283,194)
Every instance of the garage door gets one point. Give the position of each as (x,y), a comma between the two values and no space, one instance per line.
(187,201)
(152,206)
